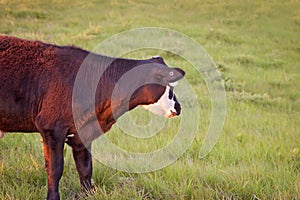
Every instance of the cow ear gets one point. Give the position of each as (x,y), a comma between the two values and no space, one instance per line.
(169,75)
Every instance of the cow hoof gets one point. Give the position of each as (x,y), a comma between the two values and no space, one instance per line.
(2,134)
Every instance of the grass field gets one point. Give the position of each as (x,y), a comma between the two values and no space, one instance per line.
(256,46)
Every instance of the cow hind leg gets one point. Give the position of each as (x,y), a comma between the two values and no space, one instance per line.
(83,161)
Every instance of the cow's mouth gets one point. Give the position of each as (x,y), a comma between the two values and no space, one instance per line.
(173,114)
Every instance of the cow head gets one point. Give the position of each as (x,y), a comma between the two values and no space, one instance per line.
(167,104)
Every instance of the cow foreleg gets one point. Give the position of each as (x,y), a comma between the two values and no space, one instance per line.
(53,144)
(83,161)
(54,164)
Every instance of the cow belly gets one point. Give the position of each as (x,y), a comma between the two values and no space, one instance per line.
(15,114)
(12,123)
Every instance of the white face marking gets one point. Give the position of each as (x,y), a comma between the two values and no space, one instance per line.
(173,84)
(164,106)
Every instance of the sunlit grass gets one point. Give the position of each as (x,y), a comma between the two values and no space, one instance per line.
(256,47)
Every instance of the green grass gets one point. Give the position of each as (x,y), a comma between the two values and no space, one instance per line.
(256,47)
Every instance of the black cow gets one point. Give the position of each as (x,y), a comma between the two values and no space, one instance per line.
(36,88)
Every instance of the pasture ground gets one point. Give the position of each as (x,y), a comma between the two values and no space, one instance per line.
(256,46)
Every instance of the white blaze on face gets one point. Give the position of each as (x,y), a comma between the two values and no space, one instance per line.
(165,106)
